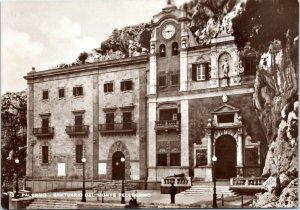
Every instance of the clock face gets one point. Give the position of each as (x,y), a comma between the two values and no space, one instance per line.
(168,31)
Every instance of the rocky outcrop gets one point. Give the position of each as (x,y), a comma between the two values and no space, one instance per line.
(210,18)
(287,199)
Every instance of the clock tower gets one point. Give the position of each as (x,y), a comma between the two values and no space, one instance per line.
(167,76)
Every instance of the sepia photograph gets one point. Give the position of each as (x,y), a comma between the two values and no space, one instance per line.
(152,104)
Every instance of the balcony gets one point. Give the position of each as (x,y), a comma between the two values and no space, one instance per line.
(46,132)
(77,130)
(117,128)
(166,125)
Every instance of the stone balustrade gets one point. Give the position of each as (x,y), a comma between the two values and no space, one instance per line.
(247,181)
(178,181)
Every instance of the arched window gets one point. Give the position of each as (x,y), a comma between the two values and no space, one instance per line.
(175,48)
(162,50)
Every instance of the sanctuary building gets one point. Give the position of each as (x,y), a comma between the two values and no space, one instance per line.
(147,117)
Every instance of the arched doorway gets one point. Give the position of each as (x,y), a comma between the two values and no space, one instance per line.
(118,167)
(225,151)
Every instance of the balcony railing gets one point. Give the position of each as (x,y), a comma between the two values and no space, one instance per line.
(77,130)
(167,125)
(46,132)
(111,128)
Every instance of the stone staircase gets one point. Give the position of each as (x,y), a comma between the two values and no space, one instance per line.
(208,190)
(41,203)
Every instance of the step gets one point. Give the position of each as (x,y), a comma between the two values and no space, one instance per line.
(50,207)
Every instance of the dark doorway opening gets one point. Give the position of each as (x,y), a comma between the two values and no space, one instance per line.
(118,167)
(225,165)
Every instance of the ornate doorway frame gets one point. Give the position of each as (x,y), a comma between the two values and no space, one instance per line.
(118,147)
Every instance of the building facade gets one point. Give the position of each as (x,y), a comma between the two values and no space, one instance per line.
(96,111)
(147,117)
(202,97)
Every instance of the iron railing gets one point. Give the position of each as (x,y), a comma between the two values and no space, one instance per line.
(43,132)
(77,130)
(125,127)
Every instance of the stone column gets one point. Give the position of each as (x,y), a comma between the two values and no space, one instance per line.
(209,148)
(152,76)
(239,155)
(184,109)
(151,141)
(152,64)
(183,69)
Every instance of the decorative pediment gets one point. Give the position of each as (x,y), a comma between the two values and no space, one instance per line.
(225,108)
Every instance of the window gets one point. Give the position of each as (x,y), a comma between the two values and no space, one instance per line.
(167,114)
(162,159)
(78,123)
(108,87)
(45,158)
(77,91)
(175,48)
(174,159)
(78,153)
(45,125)
(110,120)
(127,120)
(162,50)
(200,72)
(250,65)
(126,85)
(226,118)
(162,81)
(175,79)
(45,94)
(61,93)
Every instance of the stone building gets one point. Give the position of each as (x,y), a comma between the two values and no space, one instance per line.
(147,117)
(96,111)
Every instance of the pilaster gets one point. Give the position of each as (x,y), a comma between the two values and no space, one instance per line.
(95,134)
(151,141)
(184,109)
(30,124)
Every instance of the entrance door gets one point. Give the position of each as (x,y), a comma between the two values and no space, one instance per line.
(118,167)
(225,165)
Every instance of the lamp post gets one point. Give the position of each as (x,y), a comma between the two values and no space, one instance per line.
(83,160)
(17,178)
(123,191)
(214,159)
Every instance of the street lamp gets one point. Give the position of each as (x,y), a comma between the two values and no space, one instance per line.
(123,191)
(214,159)
(83,160)
(17,178)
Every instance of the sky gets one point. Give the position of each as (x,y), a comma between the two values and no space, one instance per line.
(45,33)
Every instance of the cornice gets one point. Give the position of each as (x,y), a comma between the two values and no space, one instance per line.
(88,67)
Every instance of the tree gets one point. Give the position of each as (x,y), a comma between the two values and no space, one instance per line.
(13,129)
(82,57)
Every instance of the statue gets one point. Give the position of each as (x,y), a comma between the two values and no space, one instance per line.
(225,67)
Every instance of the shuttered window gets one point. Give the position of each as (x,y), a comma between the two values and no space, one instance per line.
(126,85)
(162,159)
(77,91)
(108,87)
(200,72)
(61,93)
(45,158)
(45,94)
(78,153)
